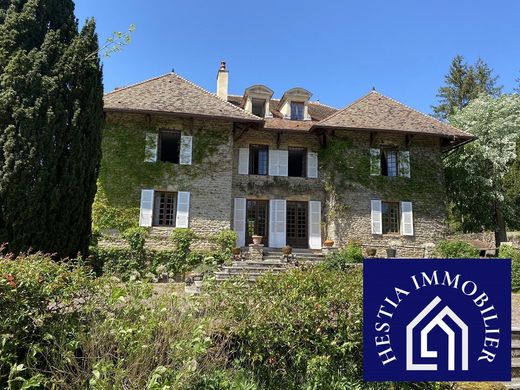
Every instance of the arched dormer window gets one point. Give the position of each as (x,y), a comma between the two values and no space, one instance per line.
(256,101)
(294,104)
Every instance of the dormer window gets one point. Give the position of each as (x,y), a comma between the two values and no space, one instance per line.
(258,107)
(297,109)
(295,104)
(256,101)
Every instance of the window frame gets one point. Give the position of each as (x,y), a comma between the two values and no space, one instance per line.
(156,216)
(384,161)
(293,112)
(160,146)
(386,219)
(258,148)
(304,151)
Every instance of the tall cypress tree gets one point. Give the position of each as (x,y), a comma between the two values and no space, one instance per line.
(51,115)
(464,83)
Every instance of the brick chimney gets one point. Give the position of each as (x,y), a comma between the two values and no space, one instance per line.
(222,81)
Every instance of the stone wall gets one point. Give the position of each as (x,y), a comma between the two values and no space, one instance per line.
(124,172)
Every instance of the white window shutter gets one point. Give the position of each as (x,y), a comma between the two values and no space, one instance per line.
(146,212)
(375,162)
(239,221)
(186,149)
(183,209)
(314,225)
(404,163)
(406,219)
(376,217)
(283,162)
(243,161)
(312,164)
(277,218)
(273,163)
(150,149)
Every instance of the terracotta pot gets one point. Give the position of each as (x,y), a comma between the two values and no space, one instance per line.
(390,252)
(236,251)
(328,243)
(257,240)
(287,250)
(371,252)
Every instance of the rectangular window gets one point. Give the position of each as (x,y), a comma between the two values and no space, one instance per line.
(258,159)
(169,146)
(297,111)
(258,107)
(390,216)
(388,162)
(165,208)
(297,162)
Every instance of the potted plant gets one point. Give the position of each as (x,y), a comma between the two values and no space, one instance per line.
(287,250)
(391,251)
(371,252)
(257,240)
(328,243)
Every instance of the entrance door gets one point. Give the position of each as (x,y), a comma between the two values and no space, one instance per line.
(256,220)
(297,224)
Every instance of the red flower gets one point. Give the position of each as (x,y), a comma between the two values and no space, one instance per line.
(271,360)
(10,280)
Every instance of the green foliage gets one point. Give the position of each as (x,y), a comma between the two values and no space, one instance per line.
(226,240)
(475,173)
(455,249)
(298,330)
(507,251)
(41,303)
(182,239)
(136,238)
(342,259)
(464,83)
(51,115)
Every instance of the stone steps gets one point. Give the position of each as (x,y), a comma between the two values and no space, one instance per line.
(515,361)
(250,270)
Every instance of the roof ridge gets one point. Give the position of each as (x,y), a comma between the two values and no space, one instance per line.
(419,112)
(136,84)
(340,110)
(322,104)
(216,96)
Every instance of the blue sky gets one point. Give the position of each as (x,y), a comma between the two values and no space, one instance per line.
(338,50)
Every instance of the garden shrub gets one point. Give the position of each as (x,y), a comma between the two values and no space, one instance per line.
(226,240)
(136,237)
(507,251)
(41,302)
(343,258)
(301,329)
(455,249)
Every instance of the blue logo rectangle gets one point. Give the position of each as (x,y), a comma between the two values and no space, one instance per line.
(437,319)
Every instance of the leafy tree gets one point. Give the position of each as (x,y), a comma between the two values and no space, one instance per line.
(51,115)
(475,174)
(464,83)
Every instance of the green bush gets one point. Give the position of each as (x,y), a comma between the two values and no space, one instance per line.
(342,259)
(42,302)
(507,251)
(136,237)
(455,249)
(301,329)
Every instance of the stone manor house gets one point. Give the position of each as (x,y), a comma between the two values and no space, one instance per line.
(292,170)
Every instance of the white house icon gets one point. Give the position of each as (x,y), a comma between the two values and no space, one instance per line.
(438,320)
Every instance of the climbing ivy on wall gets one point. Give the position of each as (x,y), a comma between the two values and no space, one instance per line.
(124,172)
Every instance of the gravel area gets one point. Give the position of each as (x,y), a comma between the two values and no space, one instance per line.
(515,306)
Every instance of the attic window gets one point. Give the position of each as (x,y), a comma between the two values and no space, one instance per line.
(389,162)
(297,111)
(258,107)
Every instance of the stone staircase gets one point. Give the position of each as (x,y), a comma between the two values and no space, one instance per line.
(272,261)
(515,362)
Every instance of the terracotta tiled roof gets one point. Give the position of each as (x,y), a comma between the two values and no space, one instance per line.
(378,112)
(173,94)
(287,124)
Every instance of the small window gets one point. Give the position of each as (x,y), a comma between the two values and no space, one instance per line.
(390,215)
(297,162)
(297,111)
(258,107)
(389,162)
(258,159)
(165,208)
(169,146)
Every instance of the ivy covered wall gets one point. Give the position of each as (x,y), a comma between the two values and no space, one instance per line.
(124,172)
